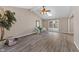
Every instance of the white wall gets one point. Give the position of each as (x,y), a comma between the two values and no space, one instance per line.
(75,12)
(45,24)
(70,25)
(63,25)
(26,22)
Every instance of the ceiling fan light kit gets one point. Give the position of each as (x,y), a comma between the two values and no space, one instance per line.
(44,10)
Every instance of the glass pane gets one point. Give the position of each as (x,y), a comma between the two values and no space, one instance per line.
(37,23)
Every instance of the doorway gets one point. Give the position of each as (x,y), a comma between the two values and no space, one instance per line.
(53,25)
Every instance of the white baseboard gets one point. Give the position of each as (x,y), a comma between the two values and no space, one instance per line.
(21,35)
(67,32)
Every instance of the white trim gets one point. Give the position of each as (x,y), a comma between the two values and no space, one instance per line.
(76,45)
(17,36)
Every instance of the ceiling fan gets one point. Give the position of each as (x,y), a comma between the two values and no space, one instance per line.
(44,10)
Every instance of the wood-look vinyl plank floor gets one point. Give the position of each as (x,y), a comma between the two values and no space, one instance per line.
(44,42)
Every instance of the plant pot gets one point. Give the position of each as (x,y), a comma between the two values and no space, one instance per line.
(2,43)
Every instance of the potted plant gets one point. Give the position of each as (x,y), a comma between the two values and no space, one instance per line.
(7,18)
(40,29)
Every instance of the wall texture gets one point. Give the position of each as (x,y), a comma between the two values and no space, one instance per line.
(26,22)
(75,12)
(63,25)
(45,24)
(70,25)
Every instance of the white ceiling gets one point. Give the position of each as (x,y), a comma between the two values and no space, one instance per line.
(56,11)
(26,7)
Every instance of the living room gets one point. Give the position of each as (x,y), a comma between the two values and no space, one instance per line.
(32,27)
(39,29)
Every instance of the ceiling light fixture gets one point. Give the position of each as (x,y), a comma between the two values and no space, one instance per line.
(44,10)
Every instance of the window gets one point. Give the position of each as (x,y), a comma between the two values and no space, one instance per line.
(37,23)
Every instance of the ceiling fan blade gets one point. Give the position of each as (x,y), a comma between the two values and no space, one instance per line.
(44,10)
(48,10)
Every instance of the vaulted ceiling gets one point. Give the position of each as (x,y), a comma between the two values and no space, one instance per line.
(56,11)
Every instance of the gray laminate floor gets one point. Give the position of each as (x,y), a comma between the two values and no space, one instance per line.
(44,42)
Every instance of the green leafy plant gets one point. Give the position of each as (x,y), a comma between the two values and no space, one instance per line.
(6,21)
(40,28)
